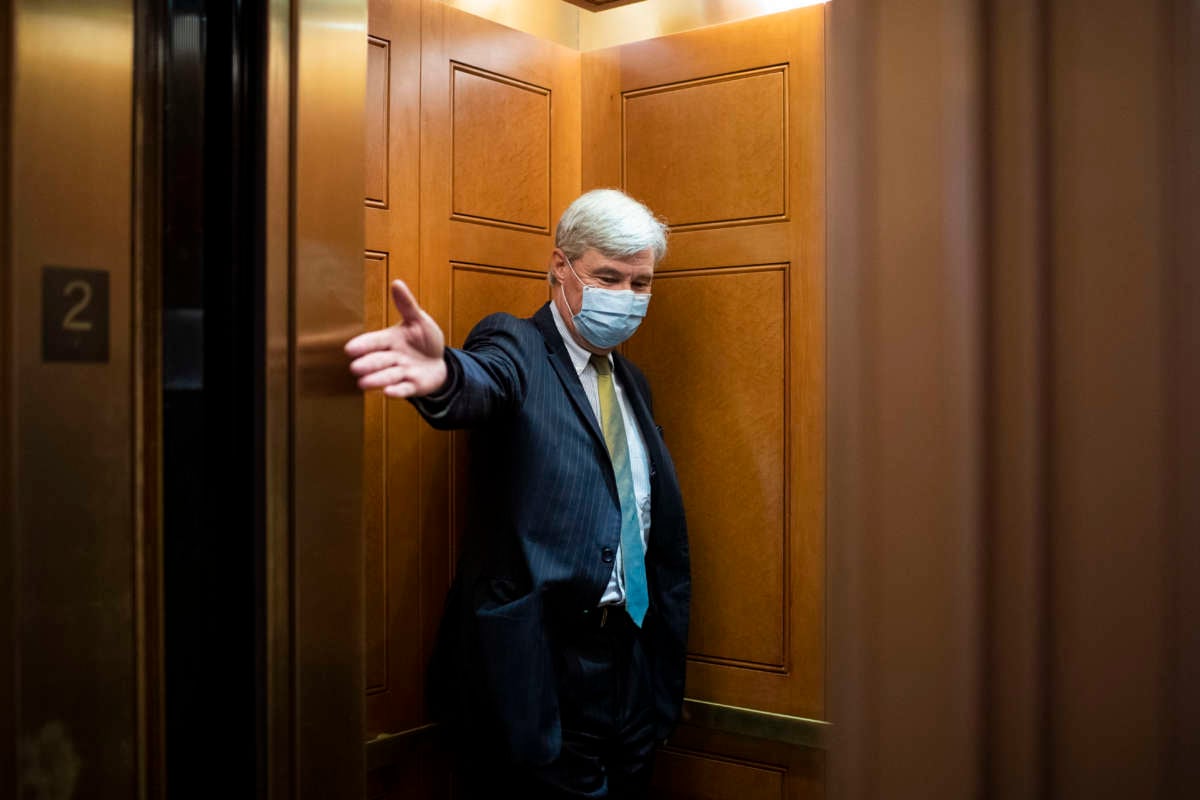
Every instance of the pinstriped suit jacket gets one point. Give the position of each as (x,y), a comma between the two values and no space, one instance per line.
(543,524)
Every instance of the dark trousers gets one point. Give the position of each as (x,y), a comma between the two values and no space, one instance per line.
(607,712)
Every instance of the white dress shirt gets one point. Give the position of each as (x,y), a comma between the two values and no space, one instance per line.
(639,464)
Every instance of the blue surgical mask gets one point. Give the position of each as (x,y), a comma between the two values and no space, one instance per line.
(607,317)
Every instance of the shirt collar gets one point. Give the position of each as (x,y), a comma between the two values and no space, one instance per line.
(580,358)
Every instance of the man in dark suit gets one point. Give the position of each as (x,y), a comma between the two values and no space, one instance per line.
(560,661)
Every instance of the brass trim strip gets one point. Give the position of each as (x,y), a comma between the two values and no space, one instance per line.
(388,748)
(758,724)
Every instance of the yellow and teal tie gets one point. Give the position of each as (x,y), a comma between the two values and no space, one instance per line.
(637,598)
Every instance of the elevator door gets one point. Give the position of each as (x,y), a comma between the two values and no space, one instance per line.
(73,679)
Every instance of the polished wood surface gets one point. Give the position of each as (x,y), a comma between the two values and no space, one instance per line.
(711,151)
(698,763)
(498,145)
(481,290)
(681,773)
(748,251)
(501,138)
(723,130)
(392,558)
(713,396)
(393,107)
(473,266)
(378,107)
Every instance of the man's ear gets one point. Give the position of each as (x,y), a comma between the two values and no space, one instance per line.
(558,264)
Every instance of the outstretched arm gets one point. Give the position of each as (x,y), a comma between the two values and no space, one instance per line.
(406,359)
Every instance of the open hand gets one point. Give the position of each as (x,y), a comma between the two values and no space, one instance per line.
(404,359)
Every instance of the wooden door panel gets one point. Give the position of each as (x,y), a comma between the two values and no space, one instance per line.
(711,151)
(500,147)
(683,773)
(379,59)
(480,290)
(721,131)
(727,245)
(702,764)
(723,405)
(501,150)
(500,155)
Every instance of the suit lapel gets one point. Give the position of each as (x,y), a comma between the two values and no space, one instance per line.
(560,359)
(640,410)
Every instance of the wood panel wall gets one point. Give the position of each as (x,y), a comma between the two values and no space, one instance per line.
(500,162)
(713,765)
(473,153)
(726,143)
(721,131)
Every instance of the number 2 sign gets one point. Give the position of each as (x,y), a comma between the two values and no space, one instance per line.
(74,314)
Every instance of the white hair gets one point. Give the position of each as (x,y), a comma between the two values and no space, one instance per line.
(611,223)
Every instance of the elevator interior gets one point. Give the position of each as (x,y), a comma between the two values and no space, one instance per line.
(960,233)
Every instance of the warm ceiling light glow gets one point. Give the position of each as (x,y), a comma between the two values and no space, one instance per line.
(653,18)
(571,26)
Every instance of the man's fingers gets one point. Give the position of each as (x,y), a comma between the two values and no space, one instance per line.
(377,360)
(384,377)
(369,342)
(400,390)
(405,303)
(405,360)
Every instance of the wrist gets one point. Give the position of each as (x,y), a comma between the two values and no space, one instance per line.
(449,383)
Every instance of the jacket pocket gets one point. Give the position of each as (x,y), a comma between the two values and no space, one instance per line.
(519,670)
